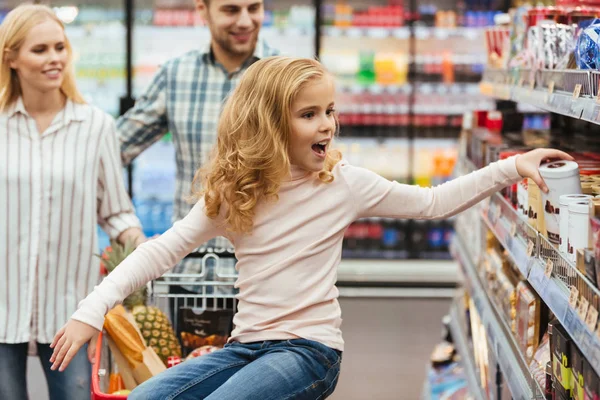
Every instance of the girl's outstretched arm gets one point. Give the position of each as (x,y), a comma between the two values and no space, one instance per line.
(375,196)
(149,261)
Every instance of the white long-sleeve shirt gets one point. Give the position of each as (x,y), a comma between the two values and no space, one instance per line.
(288,265)
(55,187)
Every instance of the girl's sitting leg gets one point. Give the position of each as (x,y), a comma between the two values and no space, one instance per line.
(290,369)
(293,369)
(196,378)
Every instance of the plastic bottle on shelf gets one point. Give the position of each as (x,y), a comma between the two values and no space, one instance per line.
(366,72)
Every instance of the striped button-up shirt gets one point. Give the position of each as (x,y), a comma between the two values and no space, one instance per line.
(55,188)
(184,98)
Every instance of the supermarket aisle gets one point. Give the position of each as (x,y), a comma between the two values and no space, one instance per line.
(388,342)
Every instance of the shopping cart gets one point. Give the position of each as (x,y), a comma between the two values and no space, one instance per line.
(206,296)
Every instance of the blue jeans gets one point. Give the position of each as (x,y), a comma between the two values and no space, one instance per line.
(72,384)
(296,369)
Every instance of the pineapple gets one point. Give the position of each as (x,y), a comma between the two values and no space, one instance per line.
(152,322)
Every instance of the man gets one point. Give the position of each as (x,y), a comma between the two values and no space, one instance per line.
(185,98)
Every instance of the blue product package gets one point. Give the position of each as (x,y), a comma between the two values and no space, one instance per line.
(586,51)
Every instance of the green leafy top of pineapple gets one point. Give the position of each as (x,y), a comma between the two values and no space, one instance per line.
(115,253)
(112,256)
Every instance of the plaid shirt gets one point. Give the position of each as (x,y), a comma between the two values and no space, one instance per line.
(184,98)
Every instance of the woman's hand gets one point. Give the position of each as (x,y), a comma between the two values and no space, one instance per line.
(69,340)
(528,164)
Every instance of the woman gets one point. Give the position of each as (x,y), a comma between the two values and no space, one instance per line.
(60,176)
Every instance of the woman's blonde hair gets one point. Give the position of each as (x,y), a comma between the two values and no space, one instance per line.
(13,31)
(250,159)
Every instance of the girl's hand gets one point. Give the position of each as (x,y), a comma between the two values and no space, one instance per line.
(528,164)
(69,340)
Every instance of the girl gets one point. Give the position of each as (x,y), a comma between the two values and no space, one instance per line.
(60,175)
(277,190)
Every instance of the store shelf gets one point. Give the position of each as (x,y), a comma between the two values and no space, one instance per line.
(399,271)
(461,342)
(403,32)
(572,93)
(514,368)
(530,252)
(367,32)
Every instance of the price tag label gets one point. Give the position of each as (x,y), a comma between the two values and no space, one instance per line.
(513,229)
(549,268)
(577,91)
(583,308)
(573,297)
(550,87)
(530,246)
(592,318)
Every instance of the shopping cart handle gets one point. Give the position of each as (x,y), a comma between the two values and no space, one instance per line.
(221,253)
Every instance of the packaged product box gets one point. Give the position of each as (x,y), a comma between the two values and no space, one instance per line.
(590,381)
(528,320)
(201,327)
(561,360)
(536,210)
(578,375)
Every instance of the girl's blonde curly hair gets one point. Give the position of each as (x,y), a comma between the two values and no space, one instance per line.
(250,159)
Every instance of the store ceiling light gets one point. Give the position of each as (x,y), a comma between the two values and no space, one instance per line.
(66,14)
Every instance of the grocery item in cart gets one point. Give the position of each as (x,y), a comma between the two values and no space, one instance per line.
(134,358)
(154,325)
(201,351)
(200,327)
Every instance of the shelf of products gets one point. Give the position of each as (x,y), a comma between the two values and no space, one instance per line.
(570,93)
(514,368)
(536,257)
(461,342)
(550,274)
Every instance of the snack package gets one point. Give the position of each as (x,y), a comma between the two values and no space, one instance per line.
(528,320)
(591,381)
(200,327)
(578,384)
(536,210)
(561,345)
(540,360)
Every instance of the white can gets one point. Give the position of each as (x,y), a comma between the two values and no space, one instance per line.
(561,177)
(580,227)
(564,200)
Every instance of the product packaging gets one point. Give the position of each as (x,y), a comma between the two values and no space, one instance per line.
(591,381)
(561,345)
(561,177)
(536,211)
(564,201)
(200,327)
(579,236)
(578,375)
(528,320)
